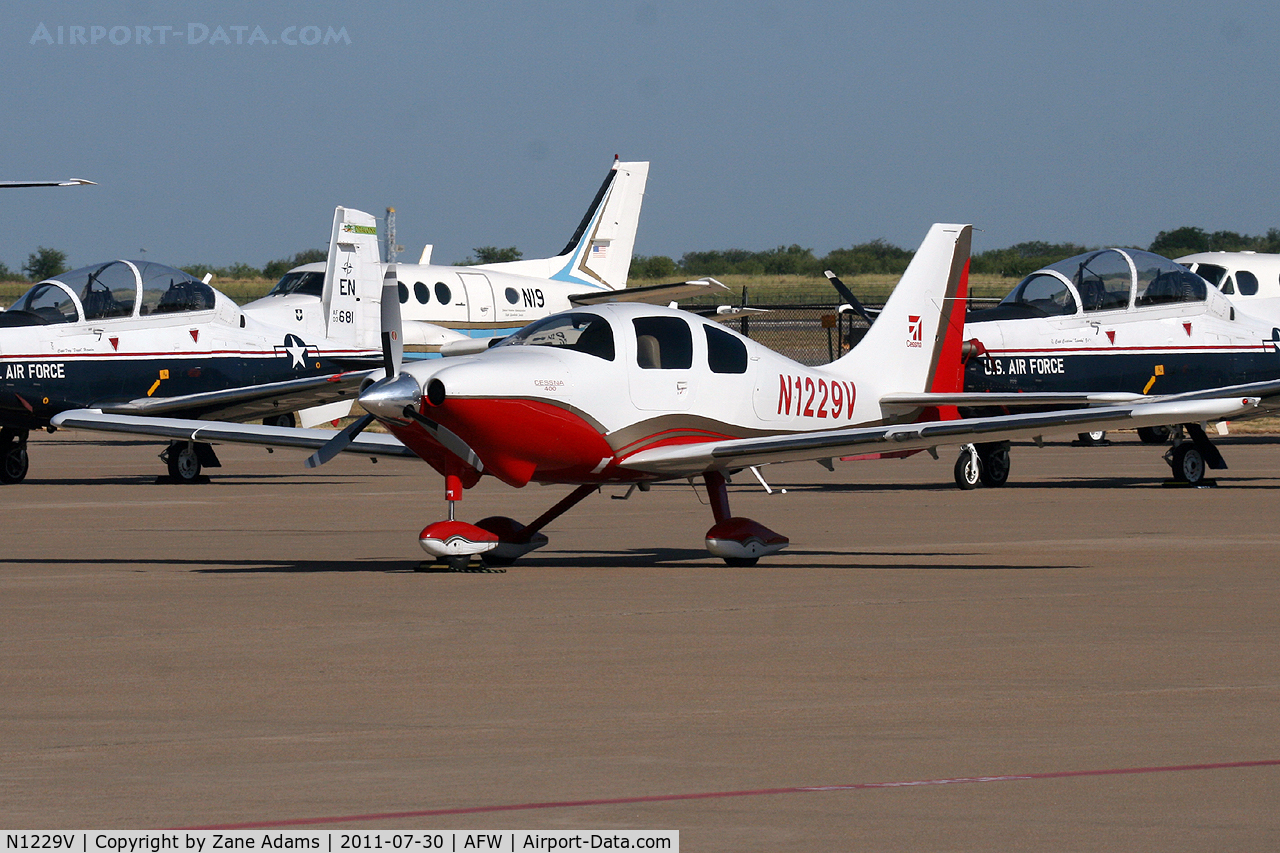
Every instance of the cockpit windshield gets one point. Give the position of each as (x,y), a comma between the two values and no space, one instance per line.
(587,333)
(105,291)
(49,301)
(309,282)
(1107,280)
(1044,294)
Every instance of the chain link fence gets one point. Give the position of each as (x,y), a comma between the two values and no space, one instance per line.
(810,334)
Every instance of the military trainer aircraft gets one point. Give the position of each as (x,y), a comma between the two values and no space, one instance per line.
(142,338)
(1117,325)
(631,394)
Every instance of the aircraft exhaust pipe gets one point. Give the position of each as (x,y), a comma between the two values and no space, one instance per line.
(435,392)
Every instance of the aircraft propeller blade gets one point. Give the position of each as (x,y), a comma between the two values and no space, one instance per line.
(335,445)
(847,295)
(392,327)
(447,437)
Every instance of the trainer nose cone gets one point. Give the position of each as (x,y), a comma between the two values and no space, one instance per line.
(388,398)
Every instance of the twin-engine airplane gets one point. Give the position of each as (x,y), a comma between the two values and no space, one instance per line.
(632,394)
(449,306)
(135,337)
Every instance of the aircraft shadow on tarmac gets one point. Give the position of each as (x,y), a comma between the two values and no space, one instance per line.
(1083,482)
(193,489)
(639,558)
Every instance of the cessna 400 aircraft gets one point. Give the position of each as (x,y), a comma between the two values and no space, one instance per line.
(631,394)
(1117,324)
(143,338)
(450,305)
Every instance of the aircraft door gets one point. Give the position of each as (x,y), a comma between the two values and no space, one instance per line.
(661,375)
(480,307)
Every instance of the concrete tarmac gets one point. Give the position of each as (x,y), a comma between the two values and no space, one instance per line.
(258,649)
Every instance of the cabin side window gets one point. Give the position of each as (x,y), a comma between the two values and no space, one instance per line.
(663,343)
(725,353)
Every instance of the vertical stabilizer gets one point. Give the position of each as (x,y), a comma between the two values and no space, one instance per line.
(914,345)
(353,280)
(598,254)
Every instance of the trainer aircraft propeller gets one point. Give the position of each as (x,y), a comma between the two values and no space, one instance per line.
(632,394)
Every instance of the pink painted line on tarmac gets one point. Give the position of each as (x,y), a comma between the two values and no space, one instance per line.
(713,795)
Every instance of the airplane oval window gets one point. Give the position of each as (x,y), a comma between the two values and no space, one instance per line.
(443,295)
(585,333)
(404,292)
(725,353)
(421,293)
(1247,282)
(512,295)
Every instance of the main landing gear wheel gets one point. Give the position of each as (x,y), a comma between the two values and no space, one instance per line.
(1188,464)
(968,469)
(1097,438)
(994,467)
(1155,434)
(183,462)
(15,463)
(285,420)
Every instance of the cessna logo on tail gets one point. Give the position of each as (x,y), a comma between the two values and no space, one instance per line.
(915,331)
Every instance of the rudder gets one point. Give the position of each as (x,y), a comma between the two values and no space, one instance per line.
(353,280)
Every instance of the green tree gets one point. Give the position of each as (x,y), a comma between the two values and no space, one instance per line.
(1180,241)
(7,274)
(1023,258)
(878,256)
(653,266)
(275,269)
(492,255)
(45,263)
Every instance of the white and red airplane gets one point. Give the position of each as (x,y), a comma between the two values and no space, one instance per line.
(632,394)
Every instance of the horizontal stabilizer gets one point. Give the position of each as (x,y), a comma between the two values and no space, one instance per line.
(654,294)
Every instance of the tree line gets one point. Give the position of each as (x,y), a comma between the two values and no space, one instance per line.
(874,257)
(881,257)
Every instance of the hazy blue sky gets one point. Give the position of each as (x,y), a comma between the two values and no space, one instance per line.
(492,123)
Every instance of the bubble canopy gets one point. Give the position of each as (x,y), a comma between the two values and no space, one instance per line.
(114,289)
(1104,280)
